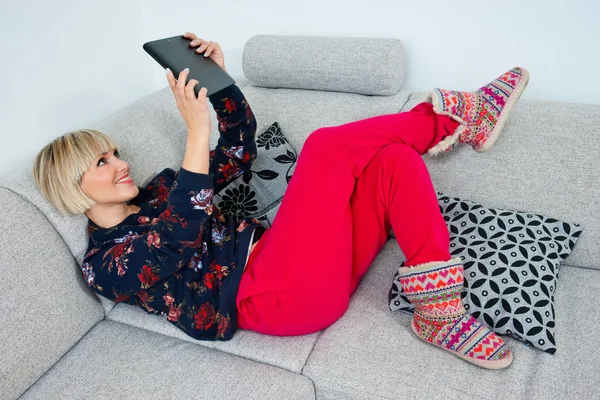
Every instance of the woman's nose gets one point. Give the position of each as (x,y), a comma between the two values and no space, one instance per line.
(124,165)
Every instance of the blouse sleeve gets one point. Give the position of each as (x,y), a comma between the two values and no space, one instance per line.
(236,150)
(137,261)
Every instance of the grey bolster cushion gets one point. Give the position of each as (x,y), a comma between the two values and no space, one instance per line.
(369,66)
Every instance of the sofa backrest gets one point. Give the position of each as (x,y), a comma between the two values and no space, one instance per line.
(546,161)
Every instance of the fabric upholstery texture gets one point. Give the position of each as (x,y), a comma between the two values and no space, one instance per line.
(120,361)
(372,353)
(341,64)
(511,265)
(286,352)
(45,305)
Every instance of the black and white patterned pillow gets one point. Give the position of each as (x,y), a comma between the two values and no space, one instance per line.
(511,262)
(258,192)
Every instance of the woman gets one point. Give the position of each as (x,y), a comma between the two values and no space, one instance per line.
(167,249)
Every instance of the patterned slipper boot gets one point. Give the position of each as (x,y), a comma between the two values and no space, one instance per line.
(440,318)
(482,113)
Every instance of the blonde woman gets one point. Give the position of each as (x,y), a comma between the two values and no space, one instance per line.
(167,249)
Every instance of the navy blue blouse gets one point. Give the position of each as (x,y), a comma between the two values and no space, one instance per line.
(179,256)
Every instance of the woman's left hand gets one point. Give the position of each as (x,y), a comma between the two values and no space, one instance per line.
(211,49)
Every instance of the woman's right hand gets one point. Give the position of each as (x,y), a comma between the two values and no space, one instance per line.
(194,110)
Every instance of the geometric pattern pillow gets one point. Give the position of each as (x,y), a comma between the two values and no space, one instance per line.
(511,265)
(258,192)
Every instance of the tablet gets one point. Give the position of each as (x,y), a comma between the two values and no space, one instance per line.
(176,54)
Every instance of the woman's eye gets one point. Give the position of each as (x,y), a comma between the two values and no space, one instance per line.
(116,153)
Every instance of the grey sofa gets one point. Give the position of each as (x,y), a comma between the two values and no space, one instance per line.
(61,341)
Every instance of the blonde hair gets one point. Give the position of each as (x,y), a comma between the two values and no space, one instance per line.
(59,166)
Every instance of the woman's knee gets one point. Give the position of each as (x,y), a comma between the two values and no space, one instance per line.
(402,156)
(404,163)
(320,139)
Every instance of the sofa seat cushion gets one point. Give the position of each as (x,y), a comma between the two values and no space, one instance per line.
(120,361)
(287,352)
(378,356)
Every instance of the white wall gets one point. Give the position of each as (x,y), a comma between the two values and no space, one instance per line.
(451,44)
(62,76)
(66,64)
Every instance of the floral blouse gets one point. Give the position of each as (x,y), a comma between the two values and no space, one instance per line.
(179,256)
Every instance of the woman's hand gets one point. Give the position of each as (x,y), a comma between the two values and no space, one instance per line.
(193,110)
(213,50)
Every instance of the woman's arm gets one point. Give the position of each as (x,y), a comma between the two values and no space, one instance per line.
(236,150)
(128,264)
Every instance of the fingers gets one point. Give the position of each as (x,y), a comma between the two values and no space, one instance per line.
(171,78)
(189,90)
(207,45)
(183,91)
(189,35)
(197,41)
(179,87)
(203,47)
(210,48)
(202,96)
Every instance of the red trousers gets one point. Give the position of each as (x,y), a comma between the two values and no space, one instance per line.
(351,185)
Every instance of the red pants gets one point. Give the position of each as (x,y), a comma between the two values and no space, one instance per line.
(351,185)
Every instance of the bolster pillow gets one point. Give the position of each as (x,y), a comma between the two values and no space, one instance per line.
(369,66)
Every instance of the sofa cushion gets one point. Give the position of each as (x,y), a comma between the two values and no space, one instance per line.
(511,265)
(119,361)
(285,352)
(371,66)
(45,308)
(545,161)
(385,359)
(257,191)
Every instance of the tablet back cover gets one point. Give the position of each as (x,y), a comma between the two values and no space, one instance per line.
(176,54)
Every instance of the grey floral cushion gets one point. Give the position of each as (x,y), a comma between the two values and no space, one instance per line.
(258,192)
(511,263)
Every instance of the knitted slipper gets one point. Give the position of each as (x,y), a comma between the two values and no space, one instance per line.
(482,113)
(441,319)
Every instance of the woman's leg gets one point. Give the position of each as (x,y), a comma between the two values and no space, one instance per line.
(299,276)
(395,191)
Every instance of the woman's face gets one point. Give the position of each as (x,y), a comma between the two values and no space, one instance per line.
(100,180)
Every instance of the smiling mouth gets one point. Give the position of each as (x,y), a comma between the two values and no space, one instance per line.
(125,180)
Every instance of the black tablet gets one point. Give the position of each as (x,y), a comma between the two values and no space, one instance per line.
(176,54)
